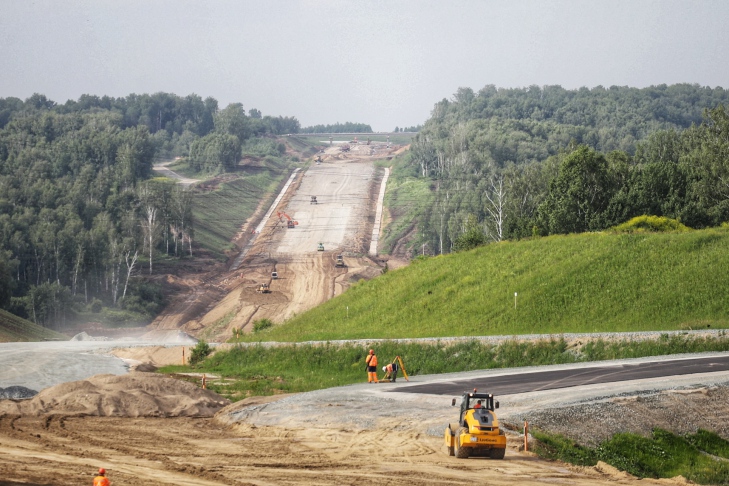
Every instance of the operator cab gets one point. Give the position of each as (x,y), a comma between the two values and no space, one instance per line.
(469,401)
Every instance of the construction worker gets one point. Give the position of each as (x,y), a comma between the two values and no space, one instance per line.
(391,371)
(101,479)
(371,361)
(478,404)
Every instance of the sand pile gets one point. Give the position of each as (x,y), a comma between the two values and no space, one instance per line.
(132,395)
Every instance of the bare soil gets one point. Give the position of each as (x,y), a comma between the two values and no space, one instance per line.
(214,303)
(171,437)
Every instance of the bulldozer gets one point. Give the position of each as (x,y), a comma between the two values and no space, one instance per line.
(263,289)
(340,261)
(477,432)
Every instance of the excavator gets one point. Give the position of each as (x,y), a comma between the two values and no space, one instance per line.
(290,223)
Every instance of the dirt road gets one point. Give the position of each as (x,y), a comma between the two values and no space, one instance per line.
(341,220)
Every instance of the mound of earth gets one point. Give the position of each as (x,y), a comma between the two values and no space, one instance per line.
(132,395)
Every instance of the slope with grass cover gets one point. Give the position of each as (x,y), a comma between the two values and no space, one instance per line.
(590,282)
(14,329)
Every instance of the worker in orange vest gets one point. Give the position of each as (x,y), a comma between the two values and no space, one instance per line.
(371,361)
(101,479)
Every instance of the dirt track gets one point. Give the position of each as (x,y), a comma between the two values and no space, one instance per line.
(345,186)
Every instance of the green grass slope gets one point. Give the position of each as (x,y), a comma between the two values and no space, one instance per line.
(15,329)
(595,282)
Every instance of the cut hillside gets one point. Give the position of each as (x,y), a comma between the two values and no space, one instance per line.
(592,282)
(14,329)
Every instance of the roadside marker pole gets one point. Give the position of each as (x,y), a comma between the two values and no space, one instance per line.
(203,382)
(183,356)
(526,436)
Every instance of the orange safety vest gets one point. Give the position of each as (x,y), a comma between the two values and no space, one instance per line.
(101,481)
(371,360)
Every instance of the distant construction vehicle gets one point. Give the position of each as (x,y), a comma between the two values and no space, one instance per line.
(290,223)
(263,289)
(320,247)
(345,148)
(313,200)
(340,261)
(274,275)
(477,432)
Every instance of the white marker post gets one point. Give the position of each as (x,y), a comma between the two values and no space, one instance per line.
(514,300)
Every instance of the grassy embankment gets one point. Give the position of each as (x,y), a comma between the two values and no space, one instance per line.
(701,457)
(16,329)
(219,213)
(566,284)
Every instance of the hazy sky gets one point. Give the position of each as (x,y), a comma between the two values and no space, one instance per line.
(385,63)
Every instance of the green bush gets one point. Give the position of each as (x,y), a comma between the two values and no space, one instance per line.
(199,352)
(261,324)
(656,224)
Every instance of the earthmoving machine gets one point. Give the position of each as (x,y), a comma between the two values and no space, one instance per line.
(274,275)
(477,432)
(345,147)
(263,289)
(340,261)
(320,247)
(313,200)
(290,223)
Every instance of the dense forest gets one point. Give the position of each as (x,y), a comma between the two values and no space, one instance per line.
(513,163)
(79,210)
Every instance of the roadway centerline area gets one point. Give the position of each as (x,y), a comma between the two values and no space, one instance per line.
(524,382)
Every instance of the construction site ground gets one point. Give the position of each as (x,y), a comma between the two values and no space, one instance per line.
(360,434)
(212,305)
(155,430)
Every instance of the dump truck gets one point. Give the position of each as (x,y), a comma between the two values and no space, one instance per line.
(263,289)
(477,432)
(340,261)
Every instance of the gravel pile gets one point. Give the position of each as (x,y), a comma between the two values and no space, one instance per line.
(17,393)
(683,410)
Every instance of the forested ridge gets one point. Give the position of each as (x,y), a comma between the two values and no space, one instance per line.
(79,210)
(513,163)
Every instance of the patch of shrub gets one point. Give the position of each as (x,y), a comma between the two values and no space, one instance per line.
(654,224)
(199,352)
(262,324)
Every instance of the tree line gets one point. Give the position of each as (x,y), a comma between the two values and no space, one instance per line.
(80,213)
(347,127)
(514,163)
